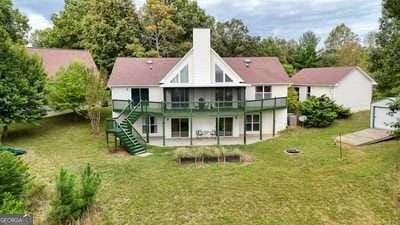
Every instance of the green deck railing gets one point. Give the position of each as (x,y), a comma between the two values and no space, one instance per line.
(172,108)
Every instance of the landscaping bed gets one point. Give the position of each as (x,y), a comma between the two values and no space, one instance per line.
(203,155)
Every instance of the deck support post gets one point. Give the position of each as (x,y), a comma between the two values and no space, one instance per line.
(191,130)
(147,128)
(244,123)
(107,138)
(217,131)
(163,130)
(115,142)
(261,128)
(274,119)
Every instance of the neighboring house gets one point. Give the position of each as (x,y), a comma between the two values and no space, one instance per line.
(200,97)
(54,59)
(381,116)
(348,86)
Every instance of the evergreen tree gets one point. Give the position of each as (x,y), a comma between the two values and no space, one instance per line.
(306,55)
(22,82)
(108,29)
(232,38)
(13,22)
(385,58)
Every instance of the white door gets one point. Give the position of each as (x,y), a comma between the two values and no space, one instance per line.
(383,120)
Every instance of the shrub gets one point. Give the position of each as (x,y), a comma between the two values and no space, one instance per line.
(342,112)
(90,185)
(11,205)
(322,111)
(293,101)
(13,176)
(65,207)
(70,202)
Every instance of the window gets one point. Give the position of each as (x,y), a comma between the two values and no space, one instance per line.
(152,125)
(263,92)
(220,76)
(180,97)
(253,122)
(139,94)
(224,97)
(308,92)
(180,127)
(297,92)
(182,76)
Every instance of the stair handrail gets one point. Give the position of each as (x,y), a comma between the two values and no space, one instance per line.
(137,134)
(123,130)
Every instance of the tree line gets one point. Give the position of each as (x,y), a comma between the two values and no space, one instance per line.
(163,28)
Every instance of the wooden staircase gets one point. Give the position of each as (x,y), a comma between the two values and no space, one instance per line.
(123,129)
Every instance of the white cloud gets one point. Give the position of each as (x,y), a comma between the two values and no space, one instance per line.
(36,21)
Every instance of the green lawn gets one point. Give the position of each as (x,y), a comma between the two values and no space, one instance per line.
(314,188)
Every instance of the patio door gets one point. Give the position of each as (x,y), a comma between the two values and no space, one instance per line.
(139,94)
(225,126)
(180,98)
(180,127)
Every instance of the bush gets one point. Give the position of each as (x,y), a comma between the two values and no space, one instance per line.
(65,207)
(13,176)
(11,205)
(90,185)
(293,101)
(70,202)
(342,112)
(322,111)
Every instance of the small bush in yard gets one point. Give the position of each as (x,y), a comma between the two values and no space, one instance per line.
(70,202)
(11,205)
(322,111)
(14,178)
(90,185)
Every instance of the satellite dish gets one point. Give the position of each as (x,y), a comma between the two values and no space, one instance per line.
(302,118)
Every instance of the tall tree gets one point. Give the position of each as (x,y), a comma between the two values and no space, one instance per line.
(188,16)
(385,58)
(67,27)
(108,29)
(306,55)
(352,54)
(22,82)
(232,38)
(160,28)
(339,36)
(13,22)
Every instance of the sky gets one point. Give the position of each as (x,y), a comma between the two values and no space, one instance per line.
(279,18)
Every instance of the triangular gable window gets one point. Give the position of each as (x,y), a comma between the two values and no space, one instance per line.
(182,76)
(220,76)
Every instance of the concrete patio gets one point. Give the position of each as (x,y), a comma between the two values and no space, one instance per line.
(171,142)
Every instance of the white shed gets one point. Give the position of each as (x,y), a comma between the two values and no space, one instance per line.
(381,116)
(348,86)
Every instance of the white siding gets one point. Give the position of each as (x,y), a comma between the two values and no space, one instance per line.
(277,91)
(118,93)
(201,59)
(156,94)
(316,91)
(354,91)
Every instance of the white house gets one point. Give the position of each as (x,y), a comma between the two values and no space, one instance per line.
(348,86)
(201,98)
(381,116)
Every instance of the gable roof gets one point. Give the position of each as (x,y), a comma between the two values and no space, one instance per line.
(326,76)
(54,59)
(136,71)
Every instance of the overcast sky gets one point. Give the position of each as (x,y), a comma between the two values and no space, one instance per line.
(281,18)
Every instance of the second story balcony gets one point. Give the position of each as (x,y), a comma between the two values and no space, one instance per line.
(186,108)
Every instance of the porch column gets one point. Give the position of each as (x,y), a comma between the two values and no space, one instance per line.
(217,131)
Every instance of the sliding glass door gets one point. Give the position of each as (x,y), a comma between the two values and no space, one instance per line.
(180,98)
(180,127)
(139,94)
(225,126)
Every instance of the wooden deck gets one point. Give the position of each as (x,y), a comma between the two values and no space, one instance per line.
(365,137)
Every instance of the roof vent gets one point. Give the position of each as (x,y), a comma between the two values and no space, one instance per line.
(247,62)
(150,63)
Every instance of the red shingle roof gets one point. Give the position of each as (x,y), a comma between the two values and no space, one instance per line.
(136,72)
(53,59)
(321,76)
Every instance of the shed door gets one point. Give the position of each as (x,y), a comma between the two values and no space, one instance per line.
(383,120)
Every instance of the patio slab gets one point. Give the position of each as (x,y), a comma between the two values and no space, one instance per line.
(366,137)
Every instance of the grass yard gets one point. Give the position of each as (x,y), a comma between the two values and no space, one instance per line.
(313,188)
